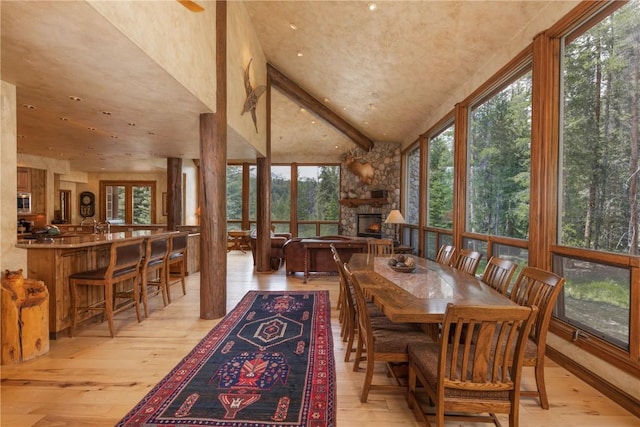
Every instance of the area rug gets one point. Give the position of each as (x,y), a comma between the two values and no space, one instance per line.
(268,363)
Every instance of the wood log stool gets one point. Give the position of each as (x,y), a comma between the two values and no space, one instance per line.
(24,332)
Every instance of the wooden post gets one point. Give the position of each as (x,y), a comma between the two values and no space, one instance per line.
(174,193)
(213,188)
(25,318)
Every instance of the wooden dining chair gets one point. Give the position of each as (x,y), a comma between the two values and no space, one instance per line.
(540,288)
(154,261)
(178,257)
(471,379)
(386,344)
(498,274)
(468,261)
(124,264)
(445,254)
(349,327)
(380,246)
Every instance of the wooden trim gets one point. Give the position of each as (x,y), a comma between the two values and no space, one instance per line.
(609,258)
(422,202)
(583,13)
(293,214)
(622,398)
(501,240)
(460,173)
(544,150)
(246,183)
(305,99)
(595,345)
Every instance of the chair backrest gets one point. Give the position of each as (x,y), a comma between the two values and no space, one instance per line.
(445,254)
(178,243)
(498,273)
(468,261)
(156,249)
(486,342)
(125,255)
(541,288)
(380,246)
(345,285)
(364,321)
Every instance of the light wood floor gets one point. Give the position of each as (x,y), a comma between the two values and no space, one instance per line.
(92,380)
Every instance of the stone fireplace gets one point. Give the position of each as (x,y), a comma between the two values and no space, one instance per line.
(370,225)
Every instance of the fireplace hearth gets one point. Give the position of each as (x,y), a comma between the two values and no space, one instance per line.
(370,225)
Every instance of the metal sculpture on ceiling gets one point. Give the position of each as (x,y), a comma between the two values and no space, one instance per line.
(253,94)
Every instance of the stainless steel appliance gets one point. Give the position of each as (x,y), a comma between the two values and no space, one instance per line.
(24,203)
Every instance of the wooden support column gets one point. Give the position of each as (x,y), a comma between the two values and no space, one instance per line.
(174,193)
(263,199)
(213,186)
(263,221)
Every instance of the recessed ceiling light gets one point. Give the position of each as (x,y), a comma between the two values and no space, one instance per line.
(326,100)
(127,154)
(75,98)
(50,148)
(106,113)
(29,106)
(151,133)
(313,122)
(372,6)
(293,26)
(91,128)
(114,136)
(20,136)
(301,110)
(299,53)
(366,122)
(131,124)
(90,147)
(64,119)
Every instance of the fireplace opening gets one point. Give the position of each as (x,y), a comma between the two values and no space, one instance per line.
(370,225)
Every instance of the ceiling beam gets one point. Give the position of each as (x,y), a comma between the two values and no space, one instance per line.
(303,98)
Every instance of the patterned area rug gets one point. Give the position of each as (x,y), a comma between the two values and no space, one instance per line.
(268,363)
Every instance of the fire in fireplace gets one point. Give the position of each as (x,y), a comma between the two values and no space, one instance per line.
(370,225)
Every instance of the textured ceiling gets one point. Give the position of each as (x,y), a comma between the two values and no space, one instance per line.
(388,72)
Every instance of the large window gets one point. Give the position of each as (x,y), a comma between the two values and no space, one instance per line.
(280,193)
(440,174)
(499,157)
(598,206)
(234,197)
(412,192)
(317,205)
(128,202)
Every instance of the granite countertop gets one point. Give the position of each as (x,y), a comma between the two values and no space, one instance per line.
(79,240)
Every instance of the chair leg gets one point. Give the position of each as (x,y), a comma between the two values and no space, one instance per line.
(162,277)
(74,308)
(136,297)
(542,388)
(108,305)
(168,283)
(145,301)
(368,377)
(359,348)
(183,273)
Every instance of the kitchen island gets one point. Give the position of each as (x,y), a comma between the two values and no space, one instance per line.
(53,258)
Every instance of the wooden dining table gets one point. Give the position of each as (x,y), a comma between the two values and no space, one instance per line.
(422,295)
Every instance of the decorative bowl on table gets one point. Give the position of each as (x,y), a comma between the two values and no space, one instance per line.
(402,263)
(403,268)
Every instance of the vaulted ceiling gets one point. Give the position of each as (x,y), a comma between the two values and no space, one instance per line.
(389,72)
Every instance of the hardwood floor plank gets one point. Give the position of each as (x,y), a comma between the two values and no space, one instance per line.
(93,380)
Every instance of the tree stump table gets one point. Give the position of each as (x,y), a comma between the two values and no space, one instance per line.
(24,332)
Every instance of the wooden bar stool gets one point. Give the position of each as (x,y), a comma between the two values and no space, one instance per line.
(124,264)
(155,260)
(177,256)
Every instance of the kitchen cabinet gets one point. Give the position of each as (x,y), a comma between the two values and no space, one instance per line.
(24,180)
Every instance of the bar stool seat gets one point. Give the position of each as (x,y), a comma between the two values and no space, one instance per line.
(124,264)
(155,260)
(177,256)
